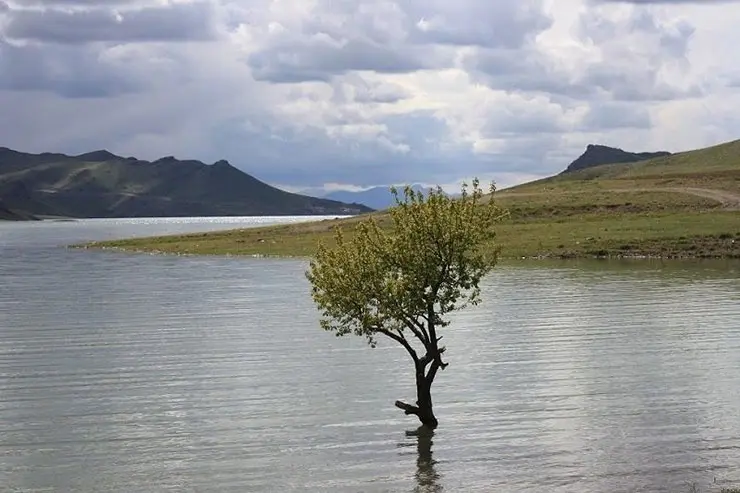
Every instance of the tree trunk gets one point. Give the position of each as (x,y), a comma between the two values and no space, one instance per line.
(423,409)
(424,400)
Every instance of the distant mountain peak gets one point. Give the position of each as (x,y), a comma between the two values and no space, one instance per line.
(597,155)
(98,156)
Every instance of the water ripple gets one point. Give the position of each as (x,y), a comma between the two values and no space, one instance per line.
(141,373)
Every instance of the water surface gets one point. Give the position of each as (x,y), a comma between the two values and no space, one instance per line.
(130,372)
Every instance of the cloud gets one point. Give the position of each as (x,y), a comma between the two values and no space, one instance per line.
(631,56)
(362,91)
(367,92)
(388,37)
(351,36)
(89,3)
(173,22)
(641,57)
(609,116)
(474,23)
(320,58)
(678,2)
(81,74)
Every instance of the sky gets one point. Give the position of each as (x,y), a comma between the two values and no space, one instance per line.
(316,95)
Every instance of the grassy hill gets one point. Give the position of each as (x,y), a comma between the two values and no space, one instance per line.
(101,184)
(682,205)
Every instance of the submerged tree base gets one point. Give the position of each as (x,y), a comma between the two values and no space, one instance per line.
(427,418)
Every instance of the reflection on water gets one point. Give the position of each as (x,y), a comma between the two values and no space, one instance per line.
(427,477)
(123,373)
(420,440)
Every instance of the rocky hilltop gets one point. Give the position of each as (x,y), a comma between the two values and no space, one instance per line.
(596,155)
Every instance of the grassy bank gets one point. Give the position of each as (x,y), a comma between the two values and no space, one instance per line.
(683,206)
(707,234)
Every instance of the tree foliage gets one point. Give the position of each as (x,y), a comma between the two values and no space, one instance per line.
(402,282)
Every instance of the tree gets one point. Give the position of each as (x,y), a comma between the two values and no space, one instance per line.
(400,283)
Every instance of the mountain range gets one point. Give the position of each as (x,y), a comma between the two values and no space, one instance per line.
(101,184)
(375,198)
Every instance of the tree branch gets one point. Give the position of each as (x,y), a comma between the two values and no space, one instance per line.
(433,371)
(417,329)
(437,352)
(425,360)
(407,408)
(401,340)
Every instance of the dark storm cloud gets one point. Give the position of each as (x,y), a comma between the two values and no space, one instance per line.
(174,22)
(65,71)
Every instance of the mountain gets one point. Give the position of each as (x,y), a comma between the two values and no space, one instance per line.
(596,155)
(375,198)
(101,184)
(8,214)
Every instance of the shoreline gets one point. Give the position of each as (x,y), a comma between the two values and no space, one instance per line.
(696,236)
(503,259)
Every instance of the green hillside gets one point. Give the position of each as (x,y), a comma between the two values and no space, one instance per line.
(702,180)
(682,205)
(711,165)
(101,184)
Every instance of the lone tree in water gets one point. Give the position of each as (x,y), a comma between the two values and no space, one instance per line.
(401,283)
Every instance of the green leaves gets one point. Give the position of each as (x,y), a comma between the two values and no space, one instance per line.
(428,264)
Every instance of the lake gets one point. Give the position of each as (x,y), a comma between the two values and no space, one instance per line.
(128,372)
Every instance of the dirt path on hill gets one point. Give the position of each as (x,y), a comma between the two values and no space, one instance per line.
(729,200)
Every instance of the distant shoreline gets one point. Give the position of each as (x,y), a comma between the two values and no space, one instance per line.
(654,236)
